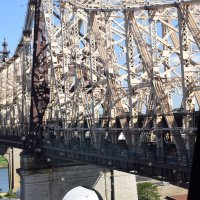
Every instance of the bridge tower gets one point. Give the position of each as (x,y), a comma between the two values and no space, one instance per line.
(4,54)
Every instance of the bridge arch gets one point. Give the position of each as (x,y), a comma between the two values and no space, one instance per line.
(5,179)
(5,155)
(13,160)
(81,193)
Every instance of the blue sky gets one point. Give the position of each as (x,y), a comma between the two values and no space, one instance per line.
(12,17)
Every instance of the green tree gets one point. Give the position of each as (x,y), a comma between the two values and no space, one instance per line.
(147,191)
(3,162)
(10,194)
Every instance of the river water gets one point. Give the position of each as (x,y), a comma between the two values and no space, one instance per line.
(4,180)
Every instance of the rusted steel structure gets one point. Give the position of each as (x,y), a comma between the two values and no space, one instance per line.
(39,78)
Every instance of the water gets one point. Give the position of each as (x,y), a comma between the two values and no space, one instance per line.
(4,186)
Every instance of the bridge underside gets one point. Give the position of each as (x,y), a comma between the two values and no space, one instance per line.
(54,183)
(146,161)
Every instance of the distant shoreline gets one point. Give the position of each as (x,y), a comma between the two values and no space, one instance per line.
(3,166)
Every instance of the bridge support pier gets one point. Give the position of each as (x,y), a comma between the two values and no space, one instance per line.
(55,182)
(12,155)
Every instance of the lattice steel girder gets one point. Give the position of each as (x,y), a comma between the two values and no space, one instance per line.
(188,18)
(190,21)
(131,5)
(156,81)
(39,89)
(12,92)
(110,75)
(84,50)
(105,62)
(108,60)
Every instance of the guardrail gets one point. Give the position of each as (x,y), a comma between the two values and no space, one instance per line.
(143,154)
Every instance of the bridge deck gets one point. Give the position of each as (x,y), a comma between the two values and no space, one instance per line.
(142,160)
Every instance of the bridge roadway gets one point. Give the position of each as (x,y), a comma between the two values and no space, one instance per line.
(145,160)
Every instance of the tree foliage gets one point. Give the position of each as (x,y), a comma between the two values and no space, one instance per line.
(3,162)
(11,194)
(147,191)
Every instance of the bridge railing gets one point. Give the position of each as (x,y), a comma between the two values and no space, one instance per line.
(132,153)
(11,140)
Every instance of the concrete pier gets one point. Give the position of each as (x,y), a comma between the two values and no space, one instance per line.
(54,183)
(13,157)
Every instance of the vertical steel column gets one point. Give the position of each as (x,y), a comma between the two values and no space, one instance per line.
(93,68)
(40,88)
(186,78)
(109,68)
(166,61)
(112,184)
(14,95)
(156,73)
(193,191)
(66,62)
(185,62)
(24,64)
(7,104)
(130,138)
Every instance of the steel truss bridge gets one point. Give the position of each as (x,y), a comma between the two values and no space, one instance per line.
(114,83)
